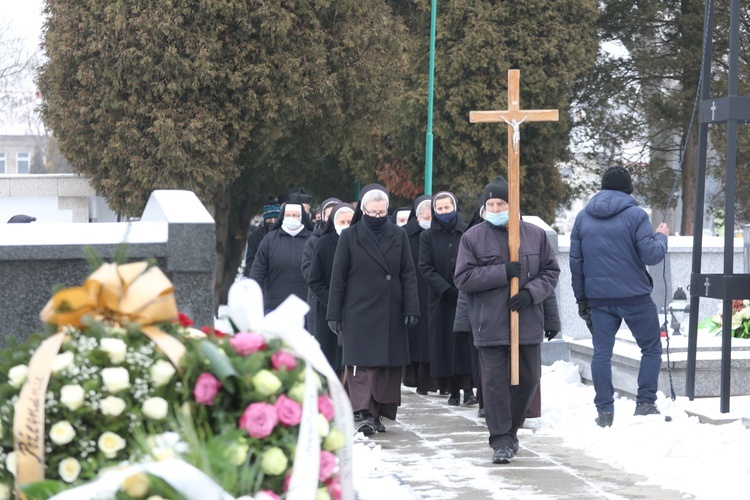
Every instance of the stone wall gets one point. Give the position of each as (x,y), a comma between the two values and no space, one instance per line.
(175,229)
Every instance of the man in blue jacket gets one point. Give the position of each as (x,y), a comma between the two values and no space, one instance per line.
(611,244)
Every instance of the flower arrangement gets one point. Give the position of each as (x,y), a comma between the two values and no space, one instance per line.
(740,320)
(248,409)
(256,395)
(107,382)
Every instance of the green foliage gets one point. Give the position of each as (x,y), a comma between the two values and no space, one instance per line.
(552,42)
(41,490)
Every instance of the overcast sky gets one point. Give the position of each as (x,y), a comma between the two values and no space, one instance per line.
(24,18)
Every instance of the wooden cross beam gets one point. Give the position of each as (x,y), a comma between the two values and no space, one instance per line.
(514,116)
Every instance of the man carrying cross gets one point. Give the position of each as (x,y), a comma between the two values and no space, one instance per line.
(484,271)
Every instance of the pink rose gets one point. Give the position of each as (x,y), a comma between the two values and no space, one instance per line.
(287,480)
(283,359)
(206,388)
(327,465)
(334,488)
(288,410)
(246,343)
(325,406)
(259,420)
(267,495)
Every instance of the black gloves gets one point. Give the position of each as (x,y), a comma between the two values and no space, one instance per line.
(584,311)
(520,300)
(336,327)
(450,294)
(513,269)
(550,334)
(411,321)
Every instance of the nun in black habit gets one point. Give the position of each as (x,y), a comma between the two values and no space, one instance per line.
(450,354)
(371,303)
(417,373)
(278,262)
(319,279)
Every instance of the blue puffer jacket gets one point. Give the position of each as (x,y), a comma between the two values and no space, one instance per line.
(611,244)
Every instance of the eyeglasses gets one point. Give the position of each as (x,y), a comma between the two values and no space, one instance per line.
(376,214)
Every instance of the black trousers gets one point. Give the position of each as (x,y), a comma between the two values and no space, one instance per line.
(506,405)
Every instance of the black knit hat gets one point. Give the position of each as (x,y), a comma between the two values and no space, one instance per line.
(617,179)
(497,188)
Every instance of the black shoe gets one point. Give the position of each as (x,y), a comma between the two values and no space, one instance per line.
(444,392)
(367,426)
(454,401)
(421,392)
(480,413)
(379,425)
(605,419)
(502,455)
(646,409)
(471,401)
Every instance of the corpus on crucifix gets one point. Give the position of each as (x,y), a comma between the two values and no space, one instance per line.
(514,116)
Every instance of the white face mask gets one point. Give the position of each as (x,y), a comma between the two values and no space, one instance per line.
(339,228)
(424,224)
(291,223)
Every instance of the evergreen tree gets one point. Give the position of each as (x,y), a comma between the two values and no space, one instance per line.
(233,99)
(552,42)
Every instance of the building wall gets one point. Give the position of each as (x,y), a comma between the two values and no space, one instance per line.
(19,152)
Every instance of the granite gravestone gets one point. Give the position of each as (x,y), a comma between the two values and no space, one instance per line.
(175,229)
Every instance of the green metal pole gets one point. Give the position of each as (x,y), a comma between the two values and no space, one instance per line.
(430,95)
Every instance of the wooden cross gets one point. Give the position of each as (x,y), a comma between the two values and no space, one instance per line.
(514,116)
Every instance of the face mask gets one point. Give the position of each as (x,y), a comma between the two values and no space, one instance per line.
(291,223)
(497,219)
(375,222)
(446,218)
(339,228)
(424,224)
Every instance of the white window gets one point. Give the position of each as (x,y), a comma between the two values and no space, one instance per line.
(2,162)
(23,162)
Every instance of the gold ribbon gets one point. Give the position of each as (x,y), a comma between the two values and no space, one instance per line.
(128,293)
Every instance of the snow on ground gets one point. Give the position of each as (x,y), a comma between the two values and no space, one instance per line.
(706,460)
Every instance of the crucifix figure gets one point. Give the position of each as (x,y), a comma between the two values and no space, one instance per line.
(514,116)
(514,124)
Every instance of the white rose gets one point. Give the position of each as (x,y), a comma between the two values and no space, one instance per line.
(11,463)
(323,426)
(17,375)
(62,433)
(195,334)
(162,372)
(155,408)
(110,443)
(115,349)
(112,406)
(115,379)
(4,492)
(72,396)
(69,469)
(62,361)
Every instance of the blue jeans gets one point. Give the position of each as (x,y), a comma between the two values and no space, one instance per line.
(643,322)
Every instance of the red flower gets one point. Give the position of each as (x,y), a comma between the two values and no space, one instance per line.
(184,319)
(213,332)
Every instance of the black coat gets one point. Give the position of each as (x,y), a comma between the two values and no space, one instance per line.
(319,279)
(253,242)
(419,340)
(373,288)
(449,354)
(277,267)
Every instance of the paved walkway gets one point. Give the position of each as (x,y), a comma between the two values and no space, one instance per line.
(441,452)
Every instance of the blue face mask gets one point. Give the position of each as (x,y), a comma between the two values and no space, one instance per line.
(497,219)
(446,218)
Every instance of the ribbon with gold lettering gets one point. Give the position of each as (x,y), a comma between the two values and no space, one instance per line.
(128,293)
